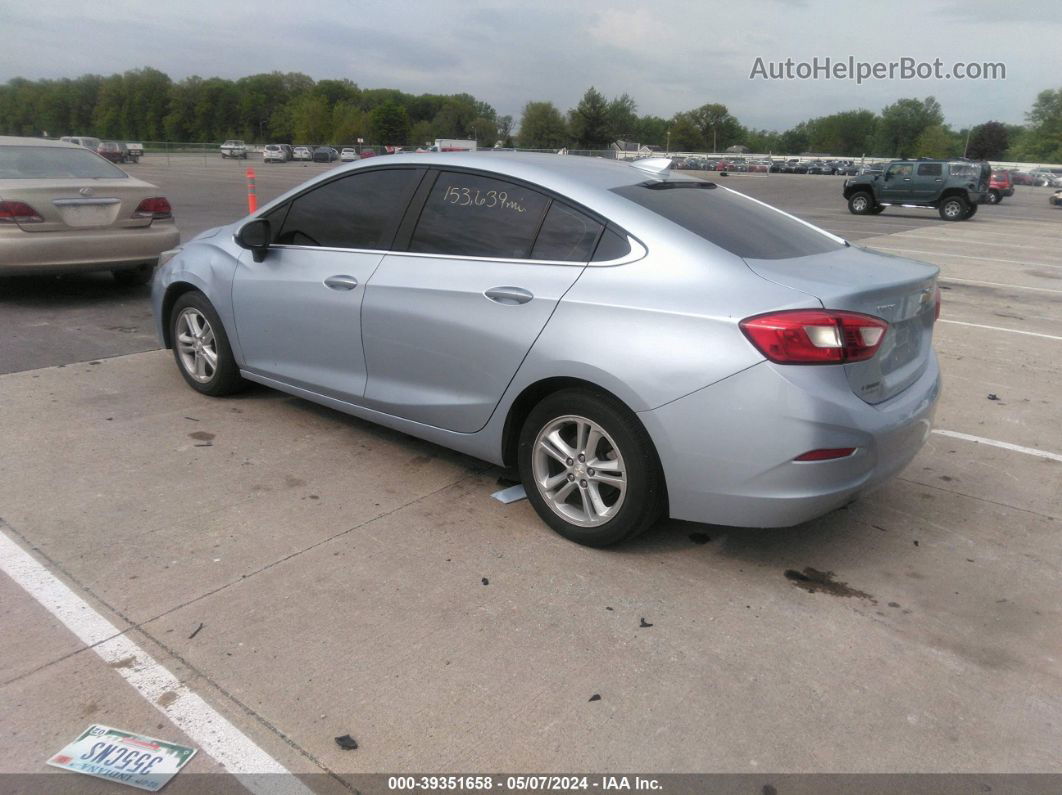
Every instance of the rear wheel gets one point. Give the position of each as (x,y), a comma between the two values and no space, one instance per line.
(134,277)
(994,197)
(954,208)
(589,468)
(201,347)
(861,203)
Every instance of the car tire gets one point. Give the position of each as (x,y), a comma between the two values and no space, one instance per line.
(993,197)
(971,212)
(134,277)
(954,208)
(861,203)
(593,506)
(198,337)
(877,210)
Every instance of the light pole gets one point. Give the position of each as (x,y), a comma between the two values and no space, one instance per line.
(669,141)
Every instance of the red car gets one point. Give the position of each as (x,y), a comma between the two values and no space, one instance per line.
(999,185)
(112,150)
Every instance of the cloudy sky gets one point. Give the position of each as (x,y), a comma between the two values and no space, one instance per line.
(670,55)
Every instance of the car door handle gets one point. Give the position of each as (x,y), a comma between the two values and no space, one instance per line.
(509,296)
(341,282)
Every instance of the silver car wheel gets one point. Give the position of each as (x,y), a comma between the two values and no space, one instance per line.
(579,471)
(953,209)
(860,203)
(196,346)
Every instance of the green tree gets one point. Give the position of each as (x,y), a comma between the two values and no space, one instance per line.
(389,124)
(935,141)
(622,115)
(1043,139)
(686,135)
(311,119)
(542,127)
(718,129)
(589,121)
(902,123)
(988,141)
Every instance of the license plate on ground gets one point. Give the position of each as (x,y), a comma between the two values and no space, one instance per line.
(128,758)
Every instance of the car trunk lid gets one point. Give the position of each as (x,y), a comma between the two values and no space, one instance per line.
(898,290)
(82,204)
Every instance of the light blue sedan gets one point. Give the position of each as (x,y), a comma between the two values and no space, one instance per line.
(636,343)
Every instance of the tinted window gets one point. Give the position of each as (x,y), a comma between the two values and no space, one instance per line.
(930,169)
(901,170)
(54,162)
(478,216)
(356,211)
(566,235)
(613,245)
(730,220)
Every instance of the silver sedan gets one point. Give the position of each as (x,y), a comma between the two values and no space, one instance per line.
(636,343)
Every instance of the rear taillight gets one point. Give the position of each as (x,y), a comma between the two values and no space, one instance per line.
(18,213)
(157,207)
(936,305)
(812,336)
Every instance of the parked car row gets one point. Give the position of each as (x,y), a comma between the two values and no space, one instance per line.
(115,151)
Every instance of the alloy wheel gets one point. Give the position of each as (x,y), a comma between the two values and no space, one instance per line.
(196,346)
(579,471)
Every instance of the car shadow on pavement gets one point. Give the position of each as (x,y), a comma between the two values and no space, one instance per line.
(67,291)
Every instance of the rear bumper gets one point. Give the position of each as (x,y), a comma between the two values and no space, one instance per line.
(24,252)
(727,451)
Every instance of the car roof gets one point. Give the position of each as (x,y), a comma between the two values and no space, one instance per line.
(559,172)
(15,140)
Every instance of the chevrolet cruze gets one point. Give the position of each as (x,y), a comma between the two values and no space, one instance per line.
(637,344)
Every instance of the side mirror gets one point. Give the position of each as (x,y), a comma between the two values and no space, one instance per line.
(255,236)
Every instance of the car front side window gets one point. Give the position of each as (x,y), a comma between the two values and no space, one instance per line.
(359,211)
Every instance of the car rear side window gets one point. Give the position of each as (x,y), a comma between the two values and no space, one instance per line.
(613,245)
(567,235)
(54,162)
(730,220)
(930,169)
(474,216)
(361,210)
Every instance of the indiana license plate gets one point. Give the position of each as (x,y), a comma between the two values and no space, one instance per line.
(128,758)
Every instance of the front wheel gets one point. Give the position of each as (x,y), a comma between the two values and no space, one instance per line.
(971,212)
(201,347)
(861,203)
(589,468)
(954,208)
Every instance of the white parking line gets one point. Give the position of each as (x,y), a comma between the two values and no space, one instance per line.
(997,284)
(1005,445)
(201,722)
(1000,328)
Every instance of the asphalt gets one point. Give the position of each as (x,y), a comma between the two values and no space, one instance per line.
(349,579)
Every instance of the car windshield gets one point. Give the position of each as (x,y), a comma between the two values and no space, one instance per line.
(730,220)
(54,162)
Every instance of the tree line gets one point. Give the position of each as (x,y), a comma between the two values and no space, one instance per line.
(146,104)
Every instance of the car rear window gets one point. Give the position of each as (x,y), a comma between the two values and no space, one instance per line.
(730,220)
(54,162)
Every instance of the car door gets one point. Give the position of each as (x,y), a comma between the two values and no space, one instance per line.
(298,311)
(896,183)
(928,181)
(447,322)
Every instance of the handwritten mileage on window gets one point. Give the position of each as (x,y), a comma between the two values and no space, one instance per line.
(473,197)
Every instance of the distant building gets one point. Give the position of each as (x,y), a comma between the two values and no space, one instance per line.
(738,149)
(629,150)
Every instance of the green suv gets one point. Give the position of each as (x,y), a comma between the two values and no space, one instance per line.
(953,187)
